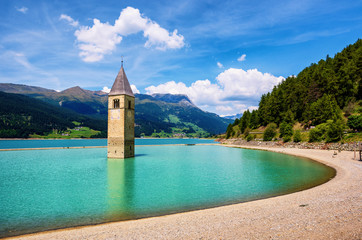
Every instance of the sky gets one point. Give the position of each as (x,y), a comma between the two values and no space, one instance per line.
(223,54)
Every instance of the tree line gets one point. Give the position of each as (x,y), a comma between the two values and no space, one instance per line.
(322,95)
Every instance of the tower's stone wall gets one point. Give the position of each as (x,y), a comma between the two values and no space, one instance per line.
(121,126)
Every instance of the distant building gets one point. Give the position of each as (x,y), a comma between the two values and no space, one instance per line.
(121,103)
(179,135)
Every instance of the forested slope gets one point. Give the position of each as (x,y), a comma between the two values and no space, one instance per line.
(319,93)
(330,83)
(21,116)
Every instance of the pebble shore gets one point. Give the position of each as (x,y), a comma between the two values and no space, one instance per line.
(330,211)
(301,145)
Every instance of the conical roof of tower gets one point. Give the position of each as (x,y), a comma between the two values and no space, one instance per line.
(121,85)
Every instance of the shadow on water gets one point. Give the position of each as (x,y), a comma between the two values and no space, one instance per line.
(124,159)
(140,155)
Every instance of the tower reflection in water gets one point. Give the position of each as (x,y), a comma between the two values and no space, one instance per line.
(120,189)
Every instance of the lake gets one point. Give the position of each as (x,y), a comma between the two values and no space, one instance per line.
(46,143)
(49,189)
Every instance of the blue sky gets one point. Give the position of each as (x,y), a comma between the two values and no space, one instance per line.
(222,54)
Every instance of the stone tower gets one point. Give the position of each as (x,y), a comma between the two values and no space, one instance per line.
(121,103)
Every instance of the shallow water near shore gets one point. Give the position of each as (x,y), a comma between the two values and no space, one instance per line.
(49,189)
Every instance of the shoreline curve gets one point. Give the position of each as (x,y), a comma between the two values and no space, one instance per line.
(330,210)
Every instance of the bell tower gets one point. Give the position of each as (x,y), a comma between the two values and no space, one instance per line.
(121,103)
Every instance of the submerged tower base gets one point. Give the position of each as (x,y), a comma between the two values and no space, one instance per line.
(119,148)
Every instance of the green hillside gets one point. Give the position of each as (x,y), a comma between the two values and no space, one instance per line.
(330,90)
(176,115)
(159,115)
(21,116)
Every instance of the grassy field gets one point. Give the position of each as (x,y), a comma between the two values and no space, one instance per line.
(77,132)
(352,137)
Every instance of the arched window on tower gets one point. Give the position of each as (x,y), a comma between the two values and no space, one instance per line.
(116,103)
(129,104)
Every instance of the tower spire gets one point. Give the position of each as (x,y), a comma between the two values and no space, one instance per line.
(121,84)
(121,61)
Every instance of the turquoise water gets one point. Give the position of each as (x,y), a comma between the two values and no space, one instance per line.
(44,143)
(49,189)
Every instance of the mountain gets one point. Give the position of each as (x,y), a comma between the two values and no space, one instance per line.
(173,98)
(172,113)
(22,89)
(160,112)
(21,116)
(92,103)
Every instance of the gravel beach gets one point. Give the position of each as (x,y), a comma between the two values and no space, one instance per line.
(330,211)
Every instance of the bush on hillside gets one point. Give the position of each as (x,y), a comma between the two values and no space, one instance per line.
(249,137)
(317,134)
(229,131)
(297,136)
(270,132)
(282,127)
(246,132)
(286,131)
(355,122)
(331,131)
(334,130)
(287,138)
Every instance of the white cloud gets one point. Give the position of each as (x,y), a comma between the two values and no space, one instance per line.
(134,89)
(251,108)
(224,109)
(161,38)
(106,89)
(96,41)
(202,92)
(69,20)
(219,64)
(130,21)
(22,9)
(234,88)
(242,58)
(102,38)
(238,84)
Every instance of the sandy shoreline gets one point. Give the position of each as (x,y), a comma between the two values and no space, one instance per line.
(329,211)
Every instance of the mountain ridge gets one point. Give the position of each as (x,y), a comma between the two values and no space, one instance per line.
(154,113)
(21,88)
(21,116)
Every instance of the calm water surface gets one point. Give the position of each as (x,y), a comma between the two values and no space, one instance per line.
(49,189)
(45,143)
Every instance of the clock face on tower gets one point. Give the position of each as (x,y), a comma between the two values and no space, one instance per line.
(115,114)
(129,114)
